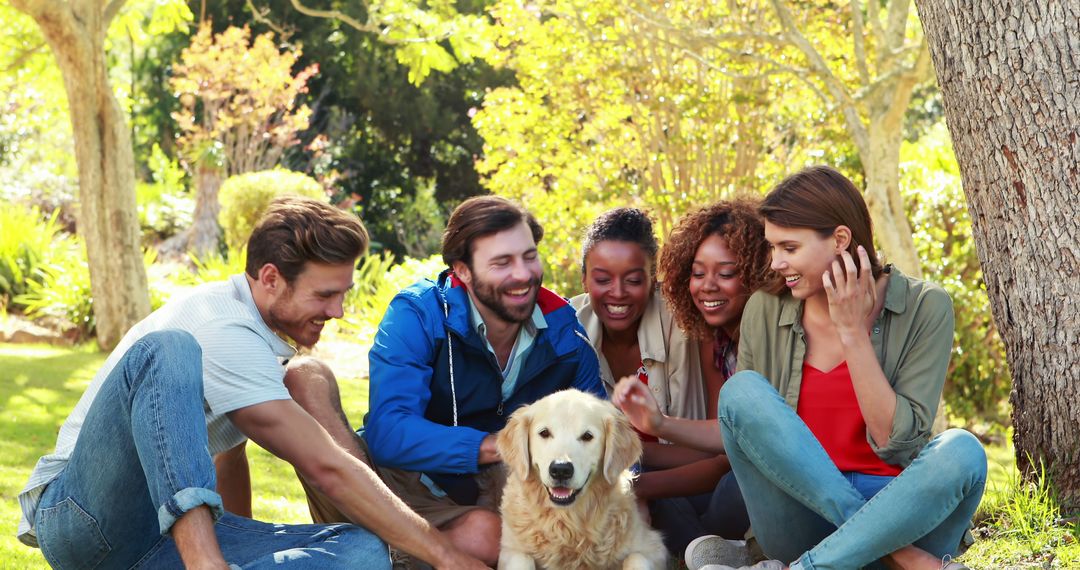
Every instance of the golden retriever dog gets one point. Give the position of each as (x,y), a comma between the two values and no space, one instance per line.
(568,502)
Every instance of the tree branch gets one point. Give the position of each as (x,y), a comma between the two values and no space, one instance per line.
(705,36)
(111,11)
(896,24)
(24,55)
(366,27)
(860,41)
(833,84)
(262,16)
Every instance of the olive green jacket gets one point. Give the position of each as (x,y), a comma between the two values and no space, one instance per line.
(912,339)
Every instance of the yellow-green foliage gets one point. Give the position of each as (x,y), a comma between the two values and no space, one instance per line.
(377,281)
(978,383)
(610,110)
(28,241)
(244,198)
(247,111)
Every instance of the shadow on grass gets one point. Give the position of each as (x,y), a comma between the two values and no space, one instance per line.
(38,388)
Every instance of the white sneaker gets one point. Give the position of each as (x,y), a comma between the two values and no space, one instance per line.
(763,565)
(712,550)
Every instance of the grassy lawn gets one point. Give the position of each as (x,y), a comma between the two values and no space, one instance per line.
(40,385)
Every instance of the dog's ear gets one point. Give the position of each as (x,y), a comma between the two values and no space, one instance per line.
(513,443)
(622,448)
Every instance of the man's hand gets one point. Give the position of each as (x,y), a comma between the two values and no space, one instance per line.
(488,452)
(637,402)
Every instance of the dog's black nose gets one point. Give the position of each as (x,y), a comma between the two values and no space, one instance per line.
(561,470)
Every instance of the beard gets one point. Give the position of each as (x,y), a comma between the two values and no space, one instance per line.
(491,296)
(282,321)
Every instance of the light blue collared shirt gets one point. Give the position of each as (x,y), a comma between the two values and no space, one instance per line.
(523,345)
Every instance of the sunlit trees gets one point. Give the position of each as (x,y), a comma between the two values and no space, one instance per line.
(608,112)
(239,112)
(678,103)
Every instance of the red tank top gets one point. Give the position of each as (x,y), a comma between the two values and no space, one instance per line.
(828,406)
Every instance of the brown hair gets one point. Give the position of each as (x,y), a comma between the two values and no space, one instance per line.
(478,217)
(734,220)
(295,230)
(821,199)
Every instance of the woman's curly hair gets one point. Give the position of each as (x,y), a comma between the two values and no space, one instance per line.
(735,220)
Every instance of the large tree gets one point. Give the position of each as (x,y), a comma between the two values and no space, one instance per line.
(1008,72)
(108,221)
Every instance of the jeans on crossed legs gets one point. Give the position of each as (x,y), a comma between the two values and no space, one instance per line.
(142,461)
(802,508)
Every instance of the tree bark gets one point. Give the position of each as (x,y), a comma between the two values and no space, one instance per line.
(204,235)
(107,219)
(1008,71)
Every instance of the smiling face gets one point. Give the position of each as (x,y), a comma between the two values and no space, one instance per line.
(300,310)
(619,283)
(715,285)
(802,255)
(504,276)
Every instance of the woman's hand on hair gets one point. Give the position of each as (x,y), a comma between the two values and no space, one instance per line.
(636,401)
(852,294)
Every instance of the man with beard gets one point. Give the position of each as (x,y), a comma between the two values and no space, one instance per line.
(453,358)
(132,481)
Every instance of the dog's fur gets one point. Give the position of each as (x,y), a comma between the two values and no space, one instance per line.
(598,525)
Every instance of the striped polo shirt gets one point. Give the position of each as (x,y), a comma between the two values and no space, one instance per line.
(242,366)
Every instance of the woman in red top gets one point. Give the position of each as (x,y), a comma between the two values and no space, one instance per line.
(827,427)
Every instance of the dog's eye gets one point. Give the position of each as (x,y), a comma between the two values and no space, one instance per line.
(587,436)
(544,433)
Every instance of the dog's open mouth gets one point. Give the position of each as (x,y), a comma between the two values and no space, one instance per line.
(562,495)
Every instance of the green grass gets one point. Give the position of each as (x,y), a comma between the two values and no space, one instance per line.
(39,385)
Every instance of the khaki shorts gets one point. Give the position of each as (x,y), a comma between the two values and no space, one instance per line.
(439,511)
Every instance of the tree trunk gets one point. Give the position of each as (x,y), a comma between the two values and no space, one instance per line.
(204,235)
(1008,74)
(108,219)
(881,166)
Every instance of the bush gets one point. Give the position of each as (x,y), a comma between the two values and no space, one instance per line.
(978,382)
(213,267)
(28,241)
(244,198)
(165,207)
(377,281)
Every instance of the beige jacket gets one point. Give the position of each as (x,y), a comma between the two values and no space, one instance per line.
(672,359)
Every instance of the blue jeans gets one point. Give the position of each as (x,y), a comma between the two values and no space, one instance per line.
(803,508)
(142,461)
(682,519)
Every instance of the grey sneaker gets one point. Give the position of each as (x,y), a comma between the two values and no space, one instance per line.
(763,565)
(714,550)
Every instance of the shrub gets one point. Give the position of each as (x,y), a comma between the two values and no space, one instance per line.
(28,241)
(376,282)
(244,198)
(61,288)
(165,207)
(213,267)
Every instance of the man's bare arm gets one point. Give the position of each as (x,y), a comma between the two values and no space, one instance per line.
(283,428)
